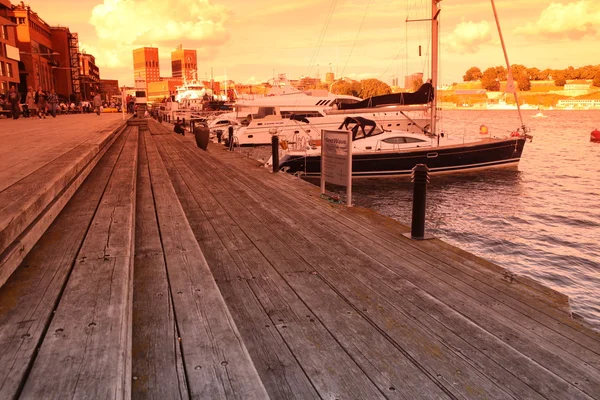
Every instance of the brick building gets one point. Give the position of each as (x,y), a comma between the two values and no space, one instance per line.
(109,88)
(89,76)
(184,64)
(146,67)
(66,72)
(9,53)
(34,41)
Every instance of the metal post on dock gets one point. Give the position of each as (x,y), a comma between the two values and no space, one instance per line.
(275,151)
(230,138)
(420,179)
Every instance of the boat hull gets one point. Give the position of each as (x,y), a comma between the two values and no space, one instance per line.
(441,160)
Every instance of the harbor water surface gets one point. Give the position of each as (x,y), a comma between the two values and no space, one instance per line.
(541,221)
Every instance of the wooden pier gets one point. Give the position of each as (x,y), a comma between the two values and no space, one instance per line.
(135,265)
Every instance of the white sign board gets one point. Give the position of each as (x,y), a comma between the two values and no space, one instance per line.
(336,159)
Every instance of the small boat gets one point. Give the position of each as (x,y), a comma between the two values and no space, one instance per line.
(391,153)
(540,115)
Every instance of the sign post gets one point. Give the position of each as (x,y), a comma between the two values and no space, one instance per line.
(336,160)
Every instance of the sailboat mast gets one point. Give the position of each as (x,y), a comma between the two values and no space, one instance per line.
(510,77)
(435,35)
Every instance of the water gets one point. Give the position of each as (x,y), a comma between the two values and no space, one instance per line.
(540,221)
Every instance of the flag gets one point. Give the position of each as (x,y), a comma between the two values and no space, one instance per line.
(510,84)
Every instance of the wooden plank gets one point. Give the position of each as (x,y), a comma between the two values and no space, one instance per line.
(287,210)
(35,148)
(22,203)
(93,350)
(475,267)
(29,297)
(16,251)
(278,369)
(298,324)
(157,368)
(217,362)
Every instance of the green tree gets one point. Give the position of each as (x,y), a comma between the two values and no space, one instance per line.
(560,78)
(350,88)
(524,82)
(489,80)
(501,73)
(472,74)
(596,81)
(373,87)
(518,70)
(417,83)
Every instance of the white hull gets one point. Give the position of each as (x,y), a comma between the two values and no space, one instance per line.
(260,132)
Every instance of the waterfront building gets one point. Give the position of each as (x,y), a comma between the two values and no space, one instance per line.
(329,78)
(157,91)
(109,88)
(146,67)
(89,76)
(184,64)
(66,72)
(9,53)
(34,41)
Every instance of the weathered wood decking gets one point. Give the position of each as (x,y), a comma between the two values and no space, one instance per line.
(177,273)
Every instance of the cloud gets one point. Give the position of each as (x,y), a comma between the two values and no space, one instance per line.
(572,20)
(123,25)
(468,37)
(135,21)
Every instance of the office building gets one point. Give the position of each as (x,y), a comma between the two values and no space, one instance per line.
(184,64)
(34,41)
(109,88)
(66,72)
(9,53)
(89,76)
(146,67)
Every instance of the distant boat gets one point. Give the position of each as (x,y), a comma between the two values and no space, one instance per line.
(540,115)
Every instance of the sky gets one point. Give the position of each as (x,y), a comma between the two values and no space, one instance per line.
(250,41)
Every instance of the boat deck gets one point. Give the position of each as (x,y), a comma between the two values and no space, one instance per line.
(178,273)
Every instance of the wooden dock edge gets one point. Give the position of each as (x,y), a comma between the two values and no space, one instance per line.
(16,252)
(551,297)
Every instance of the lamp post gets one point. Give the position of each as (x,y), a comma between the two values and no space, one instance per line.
(39,59)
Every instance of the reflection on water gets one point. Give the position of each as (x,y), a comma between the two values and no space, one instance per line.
(542,220)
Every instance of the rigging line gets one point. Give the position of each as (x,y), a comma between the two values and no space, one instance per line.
(389,66)
(356,38)
(321,37)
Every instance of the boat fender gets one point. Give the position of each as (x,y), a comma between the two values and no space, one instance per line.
(483,129)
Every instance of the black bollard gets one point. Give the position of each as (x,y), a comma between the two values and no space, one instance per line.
(275,152)
(420,179)
(183,123)
(219,135)
(230,139)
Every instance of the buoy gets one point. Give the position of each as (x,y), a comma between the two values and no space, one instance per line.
(483,130)
(595,136)
(515,134)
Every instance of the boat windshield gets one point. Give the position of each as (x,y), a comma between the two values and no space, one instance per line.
(361,127)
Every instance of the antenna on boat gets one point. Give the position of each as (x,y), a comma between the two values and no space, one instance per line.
(510,84)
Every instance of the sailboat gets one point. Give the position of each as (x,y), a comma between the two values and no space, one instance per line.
(378,152)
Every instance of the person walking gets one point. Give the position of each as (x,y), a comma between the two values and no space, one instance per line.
(53,102)
(13,97)
(97,103)
(30,101)
(41,103)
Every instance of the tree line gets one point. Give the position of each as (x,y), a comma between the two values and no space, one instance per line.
(491,77)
